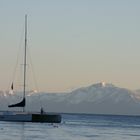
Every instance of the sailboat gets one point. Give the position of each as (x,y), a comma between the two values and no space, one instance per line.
(23,116)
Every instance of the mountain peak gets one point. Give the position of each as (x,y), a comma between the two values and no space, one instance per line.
(102,85)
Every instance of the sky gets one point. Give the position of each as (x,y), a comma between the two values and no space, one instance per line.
(73,43)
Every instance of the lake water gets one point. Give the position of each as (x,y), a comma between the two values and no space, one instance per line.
(75,127)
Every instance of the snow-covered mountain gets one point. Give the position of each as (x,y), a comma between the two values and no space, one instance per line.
(99,98)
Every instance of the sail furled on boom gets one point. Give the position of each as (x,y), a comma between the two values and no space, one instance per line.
(20,104)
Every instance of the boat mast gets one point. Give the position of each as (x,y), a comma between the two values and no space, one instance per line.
(25,61)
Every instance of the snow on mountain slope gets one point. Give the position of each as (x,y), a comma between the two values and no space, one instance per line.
(102,98)
(99,93)
(99,98)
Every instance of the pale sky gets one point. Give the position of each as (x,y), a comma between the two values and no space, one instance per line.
(73,43)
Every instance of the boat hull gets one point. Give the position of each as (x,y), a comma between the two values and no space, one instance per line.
(46,118)
(50,118)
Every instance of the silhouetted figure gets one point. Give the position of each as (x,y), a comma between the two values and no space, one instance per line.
(42,111)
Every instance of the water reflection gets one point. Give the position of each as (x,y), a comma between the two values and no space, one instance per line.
(22,131)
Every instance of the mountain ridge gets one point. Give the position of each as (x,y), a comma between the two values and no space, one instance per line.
(99,98)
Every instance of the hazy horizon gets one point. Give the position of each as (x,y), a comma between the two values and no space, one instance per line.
(73,43)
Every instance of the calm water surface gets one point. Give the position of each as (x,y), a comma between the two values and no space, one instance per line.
(75,127)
